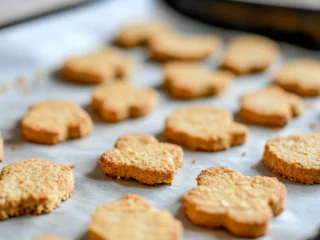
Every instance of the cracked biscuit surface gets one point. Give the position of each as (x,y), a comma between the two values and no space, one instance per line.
(243,205)
(131,217)
(301,76)
(183,47)
(190,80)
(34,186)
(144,158)
(52,122)
(296,157)
(270,106)
(122,100)
(103,65)
(139,34)
(204,128)
(250,53)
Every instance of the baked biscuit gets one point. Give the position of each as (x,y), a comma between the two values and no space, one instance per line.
(103,65)
(1,148)
(50,237)
(241,204)
(143,158)
(270,106)
(121,100)
(190,80)
(33,186)
(250,53)
(183,47)
(52,122)
(204,128)
(300,76)
(296,157)
(131,217)
(139,34)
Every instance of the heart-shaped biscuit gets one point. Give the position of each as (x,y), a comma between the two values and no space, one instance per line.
(52,122)
(204,128)
(122,100)
(270,106)
(241,204)
(131,217)
(34,186)
(143,158)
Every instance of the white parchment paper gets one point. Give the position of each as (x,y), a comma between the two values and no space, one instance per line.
(44,43)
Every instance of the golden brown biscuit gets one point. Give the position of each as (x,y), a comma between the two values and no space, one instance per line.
(190,80)
(1,148)
(131,217)
(34,186)
(103,65)
(241,204)
(138,34)
(204,128)
(296,157)
(250,53)
(143,158)
(270,106)
(52,122)
(183,47)
(121,100)
(300,76)
(50,237)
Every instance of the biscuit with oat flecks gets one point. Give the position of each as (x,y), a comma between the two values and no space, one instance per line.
(50,237)
(52,122)
(270,106)
(34,186)
(144,158)
(121,100)
(138,34)
(204,128)
(1,148)
(296,157)
(103,65)
(250,53)
(191,80)
(131,217)
(301,76)
(183,47)
(241,204)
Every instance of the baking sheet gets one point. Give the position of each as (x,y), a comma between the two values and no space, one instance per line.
(36,49)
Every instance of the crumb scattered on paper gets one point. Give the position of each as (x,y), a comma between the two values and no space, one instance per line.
(243,154)
(14,147)
(314,125)
(194,161)
(309,105)
(40,75)
(72,166)
(22,84)
(276,129)
(5,88)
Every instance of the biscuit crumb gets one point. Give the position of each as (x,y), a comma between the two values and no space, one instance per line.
(22,84)
(314,125)
(309,105)
(72,166)
(39,75)
(14,147)
(5,88)
(194,161)
(276,129)
(243,154)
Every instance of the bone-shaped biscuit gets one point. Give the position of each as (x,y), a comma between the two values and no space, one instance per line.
(143,158)
(34,186)
(103,65)
(250,53)
(204,128)
(270,106)
(190,80)
(138,34)
(300,76)
(183,47)
(122,100)
(52,122)
(131,217)
(243,205)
